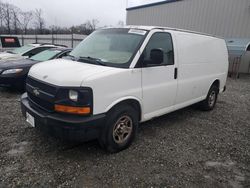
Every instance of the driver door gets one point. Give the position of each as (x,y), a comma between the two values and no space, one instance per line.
(159,75)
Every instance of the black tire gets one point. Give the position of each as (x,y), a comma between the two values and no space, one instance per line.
(114,128)
(211,99)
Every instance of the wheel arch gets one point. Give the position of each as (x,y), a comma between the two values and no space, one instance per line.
(132,101)
(216,82)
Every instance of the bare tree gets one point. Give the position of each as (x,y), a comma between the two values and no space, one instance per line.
(16,20)
(1,17)
(94,23)
(39,20)
(25,19)
(88,27)
(7,16)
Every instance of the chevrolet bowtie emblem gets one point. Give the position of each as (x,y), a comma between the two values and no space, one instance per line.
(36,92)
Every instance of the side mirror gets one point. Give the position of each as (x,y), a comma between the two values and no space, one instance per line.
(157,56)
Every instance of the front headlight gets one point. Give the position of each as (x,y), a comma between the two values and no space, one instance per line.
(73,95)
(74,101)
(12,71)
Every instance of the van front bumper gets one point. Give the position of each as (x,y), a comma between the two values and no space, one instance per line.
(66,127)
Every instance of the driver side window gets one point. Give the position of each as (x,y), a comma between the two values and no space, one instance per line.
(159,50)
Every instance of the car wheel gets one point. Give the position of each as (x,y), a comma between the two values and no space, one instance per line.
(120,130)
(211,99)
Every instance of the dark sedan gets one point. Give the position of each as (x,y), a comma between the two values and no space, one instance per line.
(14,73)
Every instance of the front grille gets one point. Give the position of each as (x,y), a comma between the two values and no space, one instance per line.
(38,102)
(45,97)
(42,86)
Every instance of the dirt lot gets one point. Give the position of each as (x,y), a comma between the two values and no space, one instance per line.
(188,148)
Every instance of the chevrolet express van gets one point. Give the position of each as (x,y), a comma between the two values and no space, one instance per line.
(119,77)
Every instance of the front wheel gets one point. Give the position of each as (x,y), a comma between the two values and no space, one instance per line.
(209,103)
(120,129)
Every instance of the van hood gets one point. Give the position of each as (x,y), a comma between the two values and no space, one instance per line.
(8,56)
(68,73)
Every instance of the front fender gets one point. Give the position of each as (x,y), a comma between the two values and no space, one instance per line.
(124,99)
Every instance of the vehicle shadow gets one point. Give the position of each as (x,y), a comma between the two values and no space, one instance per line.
(76,149)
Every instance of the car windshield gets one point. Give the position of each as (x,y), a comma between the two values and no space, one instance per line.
(45,55)
(22,49)
(110,47)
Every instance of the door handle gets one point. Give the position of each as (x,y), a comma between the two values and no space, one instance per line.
(175,73)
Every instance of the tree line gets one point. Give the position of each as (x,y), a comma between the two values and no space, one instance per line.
(15,21)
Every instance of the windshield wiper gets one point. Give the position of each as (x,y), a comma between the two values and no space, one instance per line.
(73,58)
(89,59)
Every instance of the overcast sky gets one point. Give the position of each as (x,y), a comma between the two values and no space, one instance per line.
(75,12)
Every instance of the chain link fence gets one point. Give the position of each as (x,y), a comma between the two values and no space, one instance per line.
(71,40)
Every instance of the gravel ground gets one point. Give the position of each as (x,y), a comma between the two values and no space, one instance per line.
(187,148)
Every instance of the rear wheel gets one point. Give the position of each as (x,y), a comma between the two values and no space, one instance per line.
(210,101)
(120,130)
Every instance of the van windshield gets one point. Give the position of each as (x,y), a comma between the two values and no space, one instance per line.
(110,47)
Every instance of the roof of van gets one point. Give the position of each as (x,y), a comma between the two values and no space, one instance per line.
(151,4)
(148,28)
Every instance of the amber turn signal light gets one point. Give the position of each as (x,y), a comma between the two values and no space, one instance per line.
(72,109)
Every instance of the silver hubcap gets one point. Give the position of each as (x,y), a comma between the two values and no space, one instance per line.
(122,129)
(211,99)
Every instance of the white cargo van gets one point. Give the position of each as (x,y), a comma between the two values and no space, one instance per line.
(119,77)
